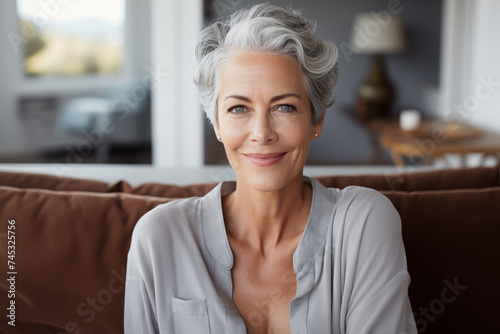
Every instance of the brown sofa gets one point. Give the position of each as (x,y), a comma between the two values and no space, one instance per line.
(72,238)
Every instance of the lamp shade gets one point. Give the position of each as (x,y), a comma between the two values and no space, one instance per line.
(378,33)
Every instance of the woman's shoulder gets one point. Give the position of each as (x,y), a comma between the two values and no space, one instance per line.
(170,217)
(363,195)
(166,235)
(163,233)
(362,206)
(354,197)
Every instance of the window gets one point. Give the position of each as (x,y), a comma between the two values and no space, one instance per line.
(68,38)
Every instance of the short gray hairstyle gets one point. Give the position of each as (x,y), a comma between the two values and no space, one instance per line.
(271,29)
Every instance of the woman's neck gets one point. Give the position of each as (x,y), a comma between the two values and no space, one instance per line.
(266,219)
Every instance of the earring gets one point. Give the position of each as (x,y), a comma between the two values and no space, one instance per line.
(315,135)
(219,138)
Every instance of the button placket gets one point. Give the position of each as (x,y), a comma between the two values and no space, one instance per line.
(234,322)
(300,303)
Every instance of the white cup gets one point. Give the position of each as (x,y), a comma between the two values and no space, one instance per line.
(409,119)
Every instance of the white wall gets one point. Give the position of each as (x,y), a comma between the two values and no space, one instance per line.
(470,76)
(177,122)
(12,139)
(485,62)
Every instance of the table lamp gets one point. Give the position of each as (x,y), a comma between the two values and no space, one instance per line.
(378,35)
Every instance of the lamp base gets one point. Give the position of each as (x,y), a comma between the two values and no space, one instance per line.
(375,94)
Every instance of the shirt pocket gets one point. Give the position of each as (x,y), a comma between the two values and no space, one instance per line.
(190,316)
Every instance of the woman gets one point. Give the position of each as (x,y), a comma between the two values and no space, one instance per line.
(275,251)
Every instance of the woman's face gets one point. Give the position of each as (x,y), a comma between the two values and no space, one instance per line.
(264,119)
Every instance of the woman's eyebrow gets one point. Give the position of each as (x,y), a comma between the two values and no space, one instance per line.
(279,97)
(274,99)
(237,97)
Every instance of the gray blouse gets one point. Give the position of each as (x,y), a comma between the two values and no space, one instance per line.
(350,267)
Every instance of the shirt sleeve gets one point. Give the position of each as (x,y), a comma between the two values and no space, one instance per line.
(377,279)
(139,314)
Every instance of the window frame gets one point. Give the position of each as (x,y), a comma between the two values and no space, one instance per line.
(177,117)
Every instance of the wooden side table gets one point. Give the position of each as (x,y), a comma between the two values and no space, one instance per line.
(434,139)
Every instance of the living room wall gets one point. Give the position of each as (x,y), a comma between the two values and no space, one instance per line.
(414,74)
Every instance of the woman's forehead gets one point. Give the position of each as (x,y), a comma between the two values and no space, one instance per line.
(262,72)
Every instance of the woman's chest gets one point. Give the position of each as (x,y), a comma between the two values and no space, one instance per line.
(262,291)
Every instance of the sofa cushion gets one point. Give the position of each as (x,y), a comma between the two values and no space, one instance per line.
(71,250)
(52,182)
(170,190)
(70,257)
(467,178)
(442,179)
(452,246)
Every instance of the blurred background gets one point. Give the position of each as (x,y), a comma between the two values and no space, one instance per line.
(91,81)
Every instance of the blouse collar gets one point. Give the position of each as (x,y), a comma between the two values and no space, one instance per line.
(313,238)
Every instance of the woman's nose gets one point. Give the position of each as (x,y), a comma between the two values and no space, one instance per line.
(263,128)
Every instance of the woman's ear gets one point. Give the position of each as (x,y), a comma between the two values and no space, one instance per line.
(217,130)
(316,128)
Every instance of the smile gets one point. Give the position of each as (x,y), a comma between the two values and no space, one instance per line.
(265,160)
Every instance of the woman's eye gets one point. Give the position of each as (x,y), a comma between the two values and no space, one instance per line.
(286,108)
(237,109)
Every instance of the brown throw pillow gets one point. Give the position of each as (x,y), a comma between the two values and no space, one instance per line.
(452,249)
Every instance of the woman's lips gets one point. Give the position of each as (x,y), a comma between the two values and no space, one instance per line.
(265,160)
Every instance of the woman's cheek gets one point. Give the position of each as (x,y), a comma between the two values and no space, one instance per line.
(297,134)
(233,159)
(233,138)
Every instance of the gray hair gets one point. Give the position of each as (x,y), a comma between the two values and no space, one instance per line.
(270,29)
